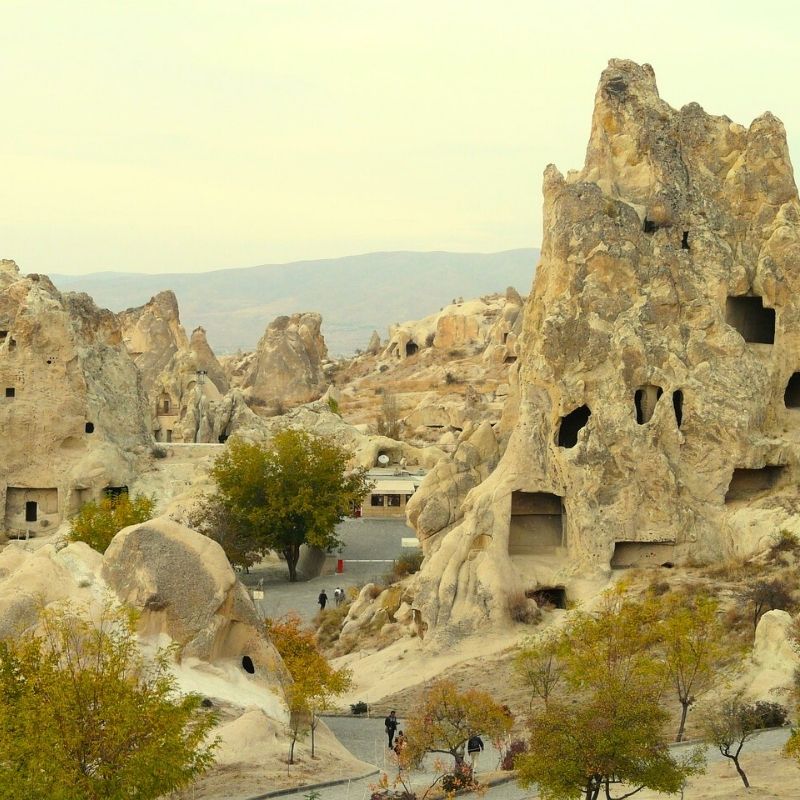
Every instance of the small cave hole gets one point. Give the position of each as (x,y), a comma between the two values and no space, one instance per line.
(222,438)
(685,241)
(644,400)
(411,348)
(510,360)
(207,702)
(3,335)
(755,323)
(571,424)
(649,226)
(677,404)
(11,392)
(548,597)
(248,666)
(89,427)
(791,397)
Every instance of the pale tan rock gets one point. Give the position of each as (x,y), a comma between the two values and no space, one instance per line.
(629,319)
(288,366)
(72,411)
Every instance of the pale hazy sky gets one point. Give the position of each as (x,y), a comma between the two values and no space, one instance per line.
(186,135)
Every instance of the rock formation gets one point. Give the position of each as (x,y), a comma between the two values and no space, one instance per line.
(287,369)
(655,408)
(72,410)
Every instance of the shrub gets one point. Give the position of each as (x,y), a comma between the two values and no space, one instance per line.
(522,609)
(660,588)
(359,708)
(511,752)
(158,452)
(97,524)
(429,339)
(450,379)
(333,405)
(406,565)
(330,623)
(460,778)
(787,543)
(769,715)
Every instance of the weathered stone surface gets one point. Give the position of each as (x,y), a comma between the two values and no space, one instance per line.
(71,406)
(630,319)
(374,345)
(288,366)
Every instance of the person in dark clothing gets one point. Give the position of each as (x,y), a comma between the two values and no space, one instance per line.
(391,726)
(322,600)
(474,748)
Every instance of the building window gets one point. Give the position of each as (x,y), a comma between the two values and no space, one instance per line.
(394,500)
(376,500)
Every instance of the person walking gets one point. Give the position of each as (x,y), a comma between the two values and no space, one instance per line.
(391,726)
(474,748)
(338,596)
(322,600)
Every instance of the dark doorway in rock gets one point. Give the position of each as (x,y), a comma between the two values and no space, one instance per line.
(747,483)
(677,404)
(248,666)
(685,241)
(3,335)
(10,391)
(115,491)
(548,596)
(649,226)
(31,511)
(791,397)
(644,400)
(222,438)
(570,425)
(537,523)
(89,427)
(755,323)
(411,348)
(642,554)
(169,435)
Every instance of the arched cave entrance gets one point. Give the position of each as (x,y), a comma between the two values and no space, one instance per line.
(791,396)
(411,348)
(645,399)
(570,425)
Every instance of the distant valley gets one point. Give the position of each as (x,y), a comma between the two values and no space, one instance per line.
(354,294)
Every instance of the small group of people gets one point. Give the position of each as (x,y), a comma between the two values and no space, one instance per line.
(338,598)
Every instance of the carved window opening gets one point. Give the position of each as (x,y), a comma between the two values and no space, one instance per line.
(505,337)
(548,597)
(755,323)
(3,335)
(248,666)
(748,483)
(791,397)
(643,554)
(537,523)
(677,405)
(89,427)
(510,360)
(685,241)
(411,348)
(164,405)
(571,424)
(11,392)
(31,511)
(645,399)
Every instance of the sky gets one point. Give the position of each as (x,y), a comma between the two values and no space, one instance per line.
(189,135)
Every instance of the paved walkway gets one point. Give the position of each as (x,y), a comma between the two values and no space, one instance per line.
(370,546)
(359,735)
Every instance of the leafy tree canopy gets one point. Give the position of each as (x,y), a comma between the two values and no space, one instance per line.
(291,492)
(84,717)
(97,523)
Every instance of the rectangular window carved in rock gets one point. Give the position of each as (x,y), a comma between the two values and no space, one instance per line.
(748,483)
(643,554)
(755,323)
(11,392)
(537,523)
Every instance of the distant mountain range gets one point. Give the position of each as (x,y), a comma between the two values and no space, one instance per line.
(354,294)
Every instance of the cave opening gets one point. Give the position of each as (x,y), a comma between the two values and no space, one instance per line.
(751,318)
(746,483)
(677,405)
(536,524)
(571,424)
(791,397)
(644,401)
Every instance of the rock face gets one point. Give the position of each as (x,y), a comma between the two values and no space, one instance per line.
(72,410)
(655,408)
(288,366)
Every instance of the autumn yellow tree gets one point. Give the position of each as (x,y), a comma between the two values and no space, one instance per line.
(603,728)
(83,716)
(97,523)
(693,645)
(314,684)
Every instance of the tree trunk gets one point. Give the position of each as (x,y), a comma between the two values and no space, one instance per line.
(313,728)
(682,726)
(741,773)
(291,751)
(292,556)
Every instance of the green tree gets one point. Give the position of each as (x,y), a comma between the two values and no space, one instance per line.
(97,523)
(292,492)
(84,717)
(604,725)
(314,684)
(693,645)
